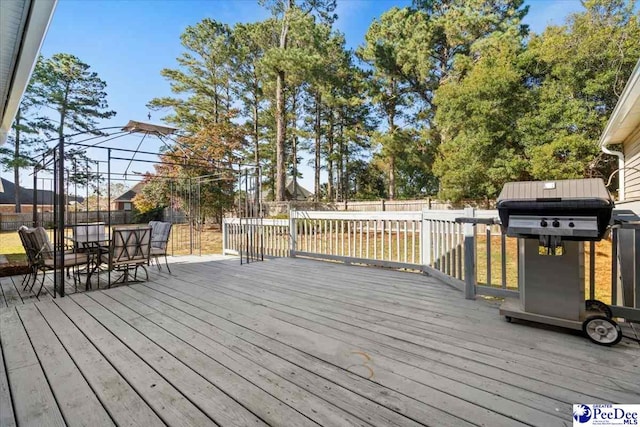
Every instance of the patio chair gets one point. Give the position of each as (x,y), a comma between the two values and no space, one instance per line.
(159,241)
(33,271)
(89,236)
(130,250)
(40,253)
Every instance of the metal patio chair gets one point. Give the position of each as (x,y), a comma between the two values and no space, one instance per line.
(130,250)
(160,232)
(40,253)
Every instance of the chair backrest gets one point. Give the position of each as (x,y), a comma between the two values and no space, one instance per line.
(26,244)
(36,244)
(160,232)
(130,245)
(89,232)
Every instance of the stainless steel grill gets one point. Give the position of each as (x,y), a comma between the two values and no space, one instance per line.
(557,214)
(553,211)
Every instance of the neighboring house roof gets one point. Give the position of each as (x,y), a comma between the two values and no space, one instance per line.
(296,192)
(130,194)
(45,197)
(626,115)
(23,25)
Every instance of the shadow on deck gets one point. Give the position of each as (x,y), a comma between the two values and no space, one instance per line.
(295,342)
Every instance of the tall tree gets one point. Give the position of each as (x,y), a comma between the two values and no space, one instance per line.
(65,84)
(478,110)
(202,81)
(78,99)
(288,13)
(577,72)
(25,141)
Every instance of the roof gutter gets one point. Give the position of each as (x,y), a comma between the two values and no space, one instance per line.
(35,28)
(620,116)
(620,156)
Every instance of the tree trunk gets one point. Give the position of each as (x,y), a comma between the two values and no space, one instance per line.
(330,158)
(316,181)
(256,154)
(340,177)
(392,156)
(16,168)
(392,177)
(281,113)
(294,147)
(280,138)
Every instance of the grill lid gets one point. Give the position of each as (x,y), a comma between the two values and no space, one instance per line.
(556,191)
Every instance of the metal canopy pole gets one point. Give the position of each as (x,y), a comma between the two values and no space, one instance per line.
(58,250)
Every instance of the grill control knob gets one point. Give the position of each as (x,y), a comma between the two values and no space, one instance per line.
(543,223)
(571,225)
(556,223)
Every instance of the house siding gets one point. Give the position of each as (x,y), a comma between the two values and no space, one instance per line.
(632,166)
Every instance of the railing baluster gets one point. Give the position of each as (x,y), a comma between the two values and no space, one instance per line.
(375,239)
(367,248)
(349,253)
(413,242)
(404,232)
(342,237)
(488,234)
(360,229)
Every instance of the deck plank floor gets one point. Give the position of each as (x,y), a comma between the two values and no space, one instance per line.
(291,342)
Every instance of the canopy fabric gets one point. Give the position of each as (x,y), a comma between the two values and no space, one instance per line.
(148,128)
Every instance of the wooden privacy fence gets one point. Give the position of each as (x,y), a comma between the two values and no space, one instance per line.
(464,248)
(13,221)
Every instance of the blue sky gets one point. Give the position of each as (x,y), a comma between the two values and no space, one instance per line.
(128,42)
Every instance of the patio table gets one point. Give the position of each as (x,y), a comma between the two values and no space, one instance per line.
(94,245)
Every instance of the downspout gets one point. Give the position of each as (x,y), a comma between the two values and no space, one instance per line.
(620,157)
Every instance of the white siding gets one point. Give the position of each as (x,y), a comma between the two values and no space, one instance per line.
(632,166)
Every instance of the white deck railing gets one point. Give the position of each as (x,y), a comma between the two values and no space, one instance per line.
(464,248)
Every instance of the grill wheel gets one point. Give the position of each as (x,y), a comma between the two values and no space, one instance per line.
(602,330)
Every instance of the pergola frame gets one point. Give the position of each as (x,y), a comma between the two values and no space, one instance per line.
(53,160)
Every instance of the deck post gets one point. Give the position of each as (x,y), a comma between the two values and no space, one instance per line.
(425,240)
(225,230)
(469,256)
(292,232)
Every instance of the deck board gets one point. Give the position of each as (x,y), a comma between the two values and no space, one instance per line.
(7,417)
(77,402)
(34,403)
(292,342)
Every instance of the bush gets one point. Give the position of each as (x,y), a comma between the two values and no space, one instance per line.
(154,214)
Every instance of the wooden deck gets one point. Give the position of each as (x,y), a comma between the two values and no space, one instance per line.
(293,342)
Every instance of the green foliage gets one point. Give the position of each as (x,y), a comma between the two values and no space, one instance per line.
(578,71)
(154,214)
(65,84)
(516,111)
(455,97)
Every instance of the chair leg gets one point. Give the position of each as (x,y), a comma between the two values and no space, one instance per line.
(155,257)
(35,279)
(27,279)
(166,262)
(41,284)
